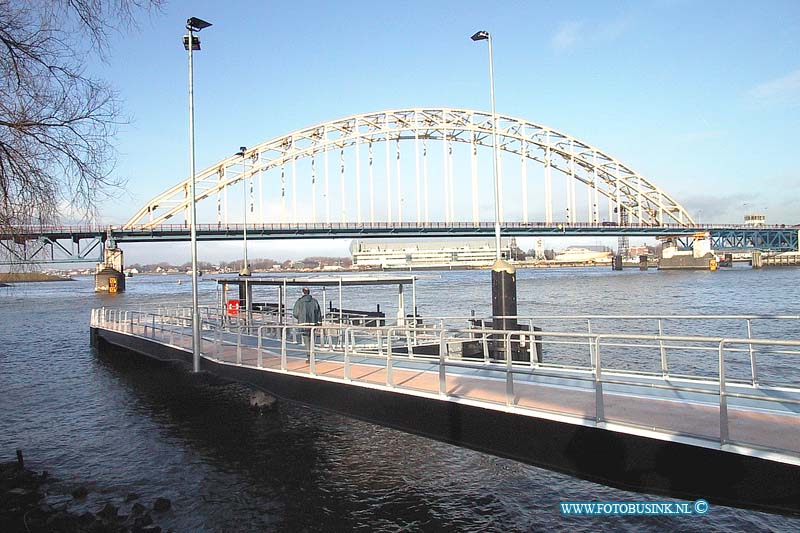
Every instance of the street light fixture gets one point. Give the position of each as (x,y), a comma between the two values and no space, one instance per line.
(504,279)
(191,43)
(486,36)
(246,264)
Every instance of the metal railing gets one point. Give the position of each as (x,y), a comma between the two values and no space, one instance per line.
(439,351)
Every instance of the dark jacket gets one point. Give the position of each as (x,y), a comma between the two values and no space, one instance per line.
(306,310)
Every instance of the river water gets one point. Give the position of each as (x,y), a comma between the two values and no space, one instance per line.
(119,425)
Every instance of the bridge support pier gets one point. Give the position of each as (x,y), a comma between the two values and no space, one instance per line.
(757,261)
(109,276)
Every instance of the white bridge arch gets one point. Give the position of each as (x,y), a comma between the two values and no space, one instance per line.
(363,192)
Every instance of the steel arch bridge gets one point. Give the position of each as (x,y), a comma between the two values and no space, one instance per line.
(383,186)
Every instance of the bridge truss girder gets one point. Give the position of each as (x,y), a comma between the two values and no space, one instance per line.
(227,232)
(764,239)
(47,249)
(644,202)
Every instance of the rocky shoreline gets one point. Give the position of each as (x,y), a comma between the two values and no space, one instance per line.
(30,501)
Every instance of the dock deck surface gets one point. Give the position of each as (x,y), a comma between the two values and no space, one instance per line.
(768,426)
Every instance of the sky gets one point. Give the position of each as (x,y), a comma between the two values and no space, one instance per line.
(702,98)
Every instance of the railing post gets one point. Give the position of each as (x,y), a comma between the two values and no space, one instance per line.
(347,333)
(380,343)
(219,341)
(753,370)
(663,349)
(442,365)
(724,435)
(239,345)
(509,373)
(153,326)
(283,348)
(485,343)
(260,348)
(599,411)
(591,351)
(389,380)
(312,363)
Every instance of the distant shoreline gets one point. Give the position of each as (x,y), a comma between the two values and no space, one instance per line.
(417,268)
(29,277)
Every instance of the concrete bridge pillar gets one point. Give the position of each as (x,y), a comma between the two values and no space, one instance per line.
(109,276)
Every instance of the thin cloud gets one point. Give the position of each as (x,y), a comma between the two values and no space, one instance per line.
(573,33)
(700,135)
(785,89)
(613,29)
(567,35)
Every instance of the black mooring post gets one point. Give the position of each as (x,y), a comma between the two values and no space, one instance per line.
(504,304)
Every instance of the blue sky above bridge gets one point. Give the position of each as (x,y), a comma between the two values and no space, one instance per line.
(702,98)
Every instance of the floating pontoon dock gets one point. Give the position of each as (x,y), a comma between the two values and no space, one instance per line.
(682,415)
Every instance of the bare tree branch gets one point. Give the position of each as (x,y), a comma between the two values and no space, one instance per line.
(57,124)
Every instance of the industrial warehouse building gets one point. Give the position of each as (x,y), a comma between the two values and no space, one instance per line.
(404,253)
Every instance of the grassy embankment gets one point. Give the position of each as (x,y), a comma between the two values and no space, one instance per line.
(26,277)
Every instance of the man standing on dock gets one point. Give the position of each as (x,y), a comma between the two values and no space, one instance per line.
(307,312)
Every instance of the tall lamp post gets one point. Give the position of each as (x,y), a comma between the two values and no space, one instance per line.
(246,264)
(192,43)
(245,289)
(486,36)
(504,277)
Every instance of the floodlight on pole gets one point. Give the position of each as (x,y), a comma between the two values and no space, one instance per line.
(486,36)
(191,43)
(196,24)
(246,264)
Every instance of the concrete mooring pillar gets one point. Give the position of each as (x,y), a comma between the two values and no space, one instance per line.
(504,308)
(616,262)
(642,262)
(757,261)
(109,276)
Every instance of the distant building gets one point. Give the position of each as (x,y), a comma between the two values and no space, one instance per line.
(426,254)
(636,251)
(539,250)
(755,220)
(588,254)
